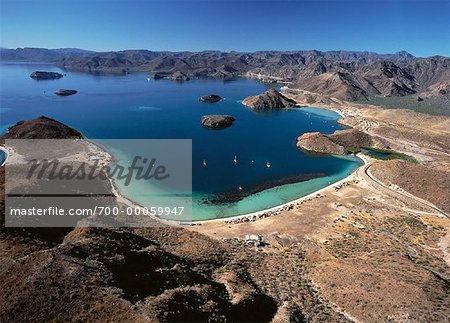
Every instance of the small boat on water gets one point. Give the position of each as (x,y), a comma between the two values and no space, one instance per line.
(204,162)
(240,187)
(235,159)
(268,165)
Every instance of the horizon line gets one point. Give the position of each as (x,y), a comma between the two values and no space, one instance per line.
(222,51)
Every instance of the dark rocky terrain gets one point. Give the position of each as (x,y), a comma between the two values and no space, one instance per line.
(64,92)
(342,74)
(39,75)
(41,127)
(217,121)
(271,99)
(211,98)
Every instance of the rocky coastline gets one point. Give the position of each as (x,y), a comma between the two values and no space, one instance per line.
(341,142)
(270,99)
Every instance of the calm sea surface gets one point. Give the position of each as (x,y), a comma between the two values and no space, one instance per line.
(130,106)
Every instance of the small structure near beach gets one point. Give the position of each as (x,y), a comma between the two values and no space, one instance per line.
(254,239)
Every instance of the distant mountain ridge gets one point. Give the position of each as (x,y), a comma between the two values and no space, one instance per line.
(348,75)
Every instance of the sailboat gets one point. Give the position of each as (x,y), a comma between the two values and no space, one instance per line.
(268,165)
(235,158)
(204,162)
(240,187)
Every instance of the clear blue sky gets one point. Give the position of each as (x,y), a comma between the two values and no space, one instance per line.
(419,27)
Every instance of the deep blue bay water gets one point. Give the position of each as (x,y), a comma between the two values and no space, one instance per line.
(131,107)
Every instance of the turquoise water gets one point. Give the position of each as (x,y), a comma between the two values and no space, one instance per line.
(2,157)
(131,107)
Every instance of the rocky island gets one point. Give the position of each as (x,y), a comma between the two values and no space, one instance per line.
(271,99)
(39,75)
(63,92)
(212,98)
(217,121)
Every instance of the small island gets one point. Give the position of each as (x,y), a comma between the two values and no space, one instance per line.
(39,75)
(64,92)
(176,76)
(271,99)
(217,121)
(212,98)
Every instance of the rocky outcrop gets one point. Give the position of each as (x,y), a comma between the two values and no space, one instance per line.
(41,128)
(160,75)
(338,142)
(64,92)
(178,76)
(217,121)
(212,98)
(355,138)
(319,143)
(271,99)
(388,78)
(39,75)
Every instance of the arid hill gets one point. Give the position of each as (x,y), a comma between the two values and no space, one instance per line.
(41,128)
(271,99)
(337,142)
(433,183)
(341,85)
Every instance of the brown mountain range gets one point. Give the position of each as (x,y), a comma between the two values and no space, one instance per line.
(342,74)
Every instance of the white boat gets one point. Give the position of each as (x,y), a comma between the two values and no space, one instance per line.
(235,158)
(204,162)
(240,187)
(268,165)
(148,79)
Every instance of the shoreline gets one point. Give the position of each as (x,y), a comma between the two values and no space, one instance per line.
(282,207)
(256,214)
